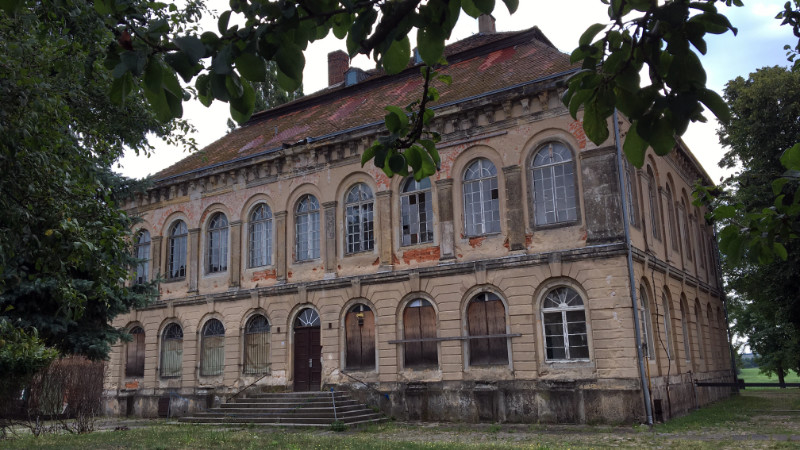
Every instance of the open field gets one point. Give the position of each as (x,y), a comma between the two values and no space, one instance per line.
(752,375)
(761,419)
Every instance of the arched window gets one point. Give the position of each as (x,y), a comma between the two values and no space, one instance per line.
(481,198)
(212,356)
(553,177)
(142,246)
(360,223)
(359,325)
(673,229)
(652,198)
(712,352)
(486,316)
(307,228)
(307,318)
(564,320)
(261,236)
(699,329)
(171,351)
(217,244)
(419,327)
(667,324)
(177,250)
(416,211)
(687,344)
(645,325)
(687,237)
(134,350)
(256,345)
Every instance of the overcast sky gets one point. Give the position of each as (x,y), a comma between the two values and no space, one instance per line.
(759,43)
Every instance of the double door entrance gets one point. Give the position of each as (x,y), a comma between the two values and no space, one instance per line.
(307,352)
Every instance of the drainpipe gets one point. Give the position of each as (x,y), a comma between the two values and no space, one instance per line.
(631,277)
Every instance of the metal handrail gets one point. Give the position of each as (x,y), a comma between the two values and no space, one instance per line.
(365,384)
(267,373)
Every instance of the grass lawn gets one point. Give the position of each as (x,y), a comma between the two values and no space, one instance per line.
(753,375)
(762,419)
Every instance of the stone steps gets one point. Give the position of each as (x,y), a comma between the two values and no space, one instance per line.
(310,409)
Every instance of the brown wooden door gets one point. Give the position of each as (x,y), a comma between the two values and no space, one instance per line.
(419,322)
(360,336)
(307,362)
(486,316)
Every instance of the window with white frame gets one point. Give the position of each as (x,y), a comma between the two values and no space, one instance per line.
(307,233)
(673,230)
(212,355)
(217,244)
(142,247)
(360,222)
(564,322)
(481,198)
(553,178)
(261,236)
(652,198)
(177,250)
(416,212)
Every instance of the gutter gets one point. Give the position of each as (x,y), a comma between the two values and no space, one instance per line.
(631,277)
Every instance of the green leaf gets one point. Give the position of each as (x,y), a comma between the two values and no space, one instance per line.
(791,157)
(716,104)
(431,45)
(398,163)
(430,147)
(369,153)
(251,67)
(222,25)
(724,212)
(291,62)
(397,56)
(512,5)
(595,124)
(634,146)
(396,120)
(777,185)
(588,36)
(221,63)
(192,46)
(471,8)
(102,7)
(242,107)
(780,250)
(286,83)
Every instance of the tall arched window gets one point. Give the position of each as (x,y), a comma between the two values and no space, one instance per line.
(416,211)
(481,198)
(212,356)
(177,250)
(645,325)
(486,316)
(359,326)
(712,352)
(553,177)
(419,327)
(256,345)
(631,194)
(687,344)
(134,350)
(217,244)
(171,351)
(687,237)
(699,330)
(360,224)
(673,228)
(652,197)
(261,236)
(564,320)
(665,302)
(307,228)
(142,246)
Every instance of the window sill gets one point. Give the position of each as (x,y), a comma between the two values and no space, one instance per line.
(174,280)
(306,261)
(419,245)
(371,251)
(492,234)
(551,226)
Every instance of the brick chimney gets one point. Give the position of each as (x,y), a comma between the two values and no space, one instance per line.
(338,63)
(485,24)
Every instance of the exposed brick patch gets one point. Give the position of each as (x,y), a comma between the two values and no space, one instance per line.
(269,274)
(395,260)
(506,244)
(576,128)
(476,241)
(422,254)
(528,240)
(289,275)
(132,385)
(377,261)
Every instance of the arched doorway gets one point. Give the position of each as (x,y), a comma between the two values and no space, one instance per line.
(307,351)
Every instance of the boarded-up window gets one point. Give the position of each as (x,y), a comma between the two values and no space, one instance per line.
(564,322)
(212,359)
(359,324)
(486,316)
(419,327)
(256,345)
(134,363)
(172,351)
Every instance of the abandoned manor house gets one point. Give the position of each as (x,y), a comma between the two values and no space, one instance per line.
(536,277)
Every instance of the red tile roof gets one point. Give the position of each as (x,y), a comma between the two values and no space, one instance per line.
(478,64)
